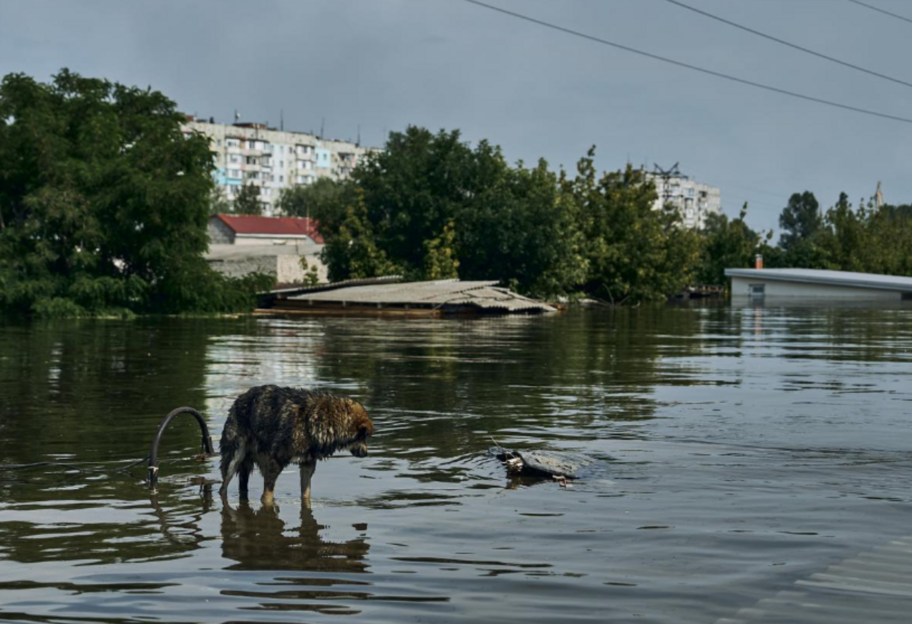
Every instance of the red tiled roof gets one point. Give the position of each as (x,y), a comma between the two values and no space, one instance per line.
(273,226)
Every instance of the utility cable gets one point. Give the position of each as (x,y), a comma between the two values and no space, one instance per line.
(703,70)
(879,10)
(789,44)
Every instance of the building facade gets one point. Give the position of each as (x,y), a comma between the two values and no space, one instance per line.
(693,200)
(273,160)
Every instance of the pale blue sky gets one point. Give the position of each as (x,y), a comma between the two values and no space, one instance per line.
(382,64)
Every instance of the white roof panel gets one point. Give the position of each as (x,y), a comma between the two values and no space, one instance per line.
(831,278)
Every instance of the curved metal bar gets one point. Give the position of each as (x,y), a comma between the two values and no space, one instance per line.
(207,447)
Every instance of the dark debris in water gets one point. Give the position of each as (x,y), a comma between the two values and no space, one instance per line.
(555,465)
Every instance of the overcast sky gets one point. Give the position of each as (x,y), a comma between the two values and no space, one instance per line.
(539,93)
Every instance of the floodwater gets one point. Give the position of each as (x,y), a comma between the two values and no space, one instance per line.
(739,452)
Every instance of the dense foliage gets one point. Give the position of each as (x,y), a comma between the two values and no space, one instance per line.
(633,252)
(726,244)
(431,207)
(103,203)
(867,239)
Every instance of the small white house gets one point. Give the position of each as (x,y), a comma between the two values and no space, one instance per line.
(241,244)
(817,285)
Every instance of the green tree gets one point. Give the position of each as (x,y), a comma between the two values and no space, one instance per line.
(311,276)
(103,203)
(248,201)
(844,239)
(635,253)
(218,202)
(727,243)
(521,229)
(440,255)
(351,250)
(324,198)
(800,219)
(508,223)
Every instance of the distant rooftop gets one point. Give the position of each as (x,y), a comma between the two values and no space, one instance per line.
(831,278)
(251,225)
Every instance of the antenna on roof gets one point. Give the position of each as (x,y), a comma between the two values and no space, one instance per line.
(666,175)
(358,143)
(322,127)
(281,119)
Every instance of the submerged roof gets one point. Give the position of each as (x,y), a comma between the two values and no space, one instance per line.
(252,225)
(437,294)
(830,278)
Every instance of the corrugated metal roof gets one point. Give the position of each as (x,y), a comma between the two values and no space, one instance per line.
(831,278)
(441,293)
(272,226)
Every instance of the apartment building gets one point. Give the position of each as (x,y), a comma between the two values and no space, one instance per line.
(693,199)
(252,153)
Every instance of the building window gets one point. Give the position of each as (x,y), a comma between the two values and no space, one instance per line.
(756,290)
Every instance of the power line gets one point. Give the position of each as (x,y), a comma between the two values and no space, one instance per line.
(879,10)
(702,70)
(789,44)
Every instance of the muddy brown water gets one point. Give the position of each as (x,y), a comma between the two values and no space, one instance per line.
(739,451)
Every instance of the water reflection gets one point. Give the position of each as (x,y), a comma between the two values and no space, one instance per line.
(259,539)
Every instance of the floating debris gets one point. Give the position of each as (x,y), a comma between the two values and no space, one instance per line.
(389,296)
(554,465)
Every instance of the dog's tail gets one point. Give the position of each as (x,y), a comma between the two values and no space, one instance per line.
(230,444)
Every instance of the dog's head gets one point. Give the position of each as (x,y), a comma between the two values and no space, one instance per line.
(363,428)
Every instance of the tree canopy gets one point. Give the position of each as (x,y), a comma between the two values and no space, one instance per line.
(727,243)
(103,202)
(248,201)
(429,206)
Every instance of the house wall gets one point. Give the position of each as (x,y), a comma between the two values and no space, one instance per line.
(287,269)
(290,270)
(219,233)
(245,266)
(797,290)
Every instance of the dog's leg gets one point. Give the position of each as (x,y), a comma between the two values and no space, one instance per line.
(271,471)
(307,471)
(244,471)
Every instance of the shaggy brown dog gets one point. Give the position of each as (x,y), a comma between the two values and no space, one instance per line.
(272,427)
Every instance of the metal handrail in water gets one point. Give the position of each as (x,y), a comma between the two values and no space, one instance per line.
(207,447)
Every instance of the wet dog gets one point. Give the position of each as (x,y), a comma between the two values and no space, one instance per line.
(271,427)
